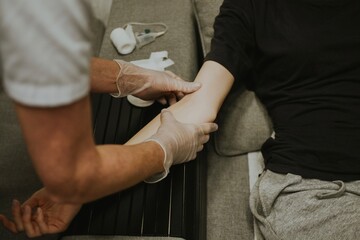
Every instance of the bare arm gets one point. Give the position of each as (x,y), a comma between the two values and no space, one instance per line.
(103,75)
(74,170)
(69,164)
(200,106)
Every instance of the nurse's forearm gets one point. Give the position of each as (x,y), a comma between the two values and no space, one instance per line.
(200,106)
(103,75)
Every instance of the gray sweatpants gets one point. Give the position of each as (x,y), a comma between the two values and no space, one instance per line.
(290,207)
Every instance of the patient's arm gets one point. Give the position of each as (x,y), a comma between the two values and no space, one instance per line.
(200,106)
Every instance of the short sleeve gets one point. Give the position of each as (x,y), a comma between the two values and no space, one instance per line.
(233,42)
(45,49)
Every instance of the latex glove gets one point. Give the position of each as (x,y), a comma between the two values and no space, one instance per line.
(39,215)
(180,141)
(150,84)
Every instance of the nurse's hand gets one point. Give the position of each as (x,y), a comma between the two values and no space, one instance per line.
(39,215)
(147,84)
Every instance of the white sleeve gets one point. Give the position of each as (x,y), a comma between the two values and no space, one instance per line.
(45,48)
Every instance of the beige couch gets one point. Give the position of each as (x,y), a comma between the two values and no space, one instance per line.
(243,123)
(243,126)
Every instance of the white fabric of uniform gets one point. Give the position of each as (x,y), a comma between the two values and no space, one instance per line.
(45,50)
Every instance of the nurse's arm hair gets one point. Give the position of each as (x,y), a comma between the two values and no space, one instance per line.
(200,106)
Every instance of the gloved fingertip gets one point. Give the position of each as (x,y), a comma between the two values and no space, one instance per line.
(191,86)
(196,85)
(172,99)
(180,95)
(162,101)
(212,127)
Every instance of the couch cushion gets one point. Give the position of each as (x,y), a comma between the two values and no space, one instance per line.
(98,29)
(243,124)
(243,121)
(205,13)
(228,214)
(179,41)
(117,238)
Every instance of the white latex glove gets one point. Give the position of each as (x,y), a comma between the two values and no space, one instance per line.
(180,141)
(150,84)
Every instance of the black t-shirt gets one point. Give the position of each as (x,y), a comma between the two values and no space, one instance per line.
(302,59)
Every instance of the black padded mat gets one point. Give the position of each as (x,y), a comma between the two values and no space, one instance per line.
(173,207)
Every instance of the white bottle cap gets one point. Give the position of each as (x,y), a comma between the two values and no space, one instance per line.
(122,40)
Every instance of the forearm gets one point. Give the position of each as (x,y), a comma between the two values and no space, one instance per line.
(69,164)
(200,106)
(103,75)
(103,170)
(110,169)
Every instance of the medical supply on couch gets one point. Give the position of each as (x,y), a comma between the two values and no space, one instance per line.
(125,39)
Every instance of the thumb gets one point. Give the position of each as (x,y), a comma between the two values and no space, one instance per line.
(208,128)
(166,115)
(32,202)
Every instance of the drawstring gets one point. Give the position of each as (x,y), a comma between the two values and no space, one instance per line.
(336,194)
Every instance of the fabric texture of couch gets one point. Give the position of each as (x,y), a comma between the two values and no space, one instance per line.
(243,122)
(243,126)
(179,40)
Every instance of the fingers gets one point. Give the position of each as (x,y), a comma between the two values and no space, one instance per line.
(16,212)
(180,85)
(204,139)
(208,128)
(162,100)
(166,115)
(40,220)
(25,221)
(200,148)
(205,130)
(189,87)
(9,225)
(31,227)
(171,99)
(179,95)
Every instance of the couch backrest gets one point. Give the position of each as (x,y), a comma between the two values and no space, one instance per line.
(243,122)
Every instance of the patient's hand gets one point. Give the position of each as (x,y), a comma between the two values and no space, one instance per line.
(39,215)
